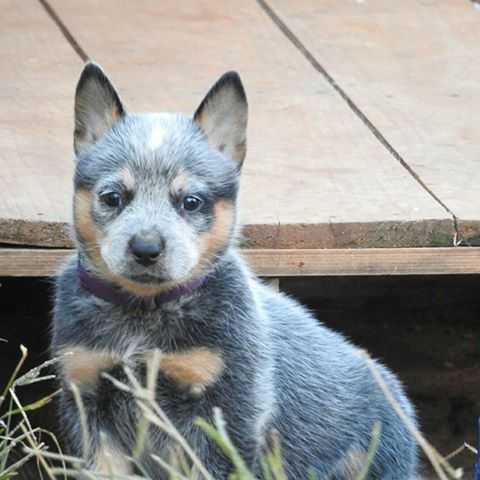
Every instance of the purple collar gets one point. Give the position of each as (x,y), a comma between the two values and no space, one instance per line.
(108,292)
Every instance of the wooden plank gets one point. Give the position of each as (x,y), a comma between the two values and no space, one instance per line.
(373,261)
(19,262)
(412,68)
(39,70)
(314,176)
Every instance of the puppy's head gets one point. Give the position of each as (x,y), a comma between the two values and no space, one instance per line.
(155,194)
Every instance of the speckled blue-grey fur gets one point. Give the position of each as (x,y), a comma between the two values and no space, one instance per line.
(284,371)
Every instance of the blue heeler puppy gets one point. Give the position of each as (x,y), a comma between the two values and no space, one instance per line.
(157,268)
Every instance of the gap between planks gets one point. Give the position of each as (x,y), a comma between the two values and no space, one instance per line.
(64,30)
(300,46)
(20,262)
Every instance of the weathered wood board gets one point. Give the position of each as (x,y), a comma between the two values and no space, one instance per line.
(314,176)
(22,262)
(413,69)
(37,81)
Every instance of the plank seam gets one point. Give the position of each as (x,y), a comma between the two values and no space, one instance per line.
(297,43)
(64,30)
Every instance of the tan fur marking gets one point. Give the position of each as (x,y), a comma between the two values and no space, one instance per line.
(82,211)
(218,236)
(197,368)
(109,460)
(128,179)
(83,366)
(179,183)
(353,463)
(85,225)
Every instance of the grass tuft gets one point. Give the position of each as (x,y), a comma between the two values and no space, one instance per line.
(18,435)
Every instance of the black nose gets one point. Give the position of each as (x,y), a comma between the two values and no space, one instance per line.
(145,250)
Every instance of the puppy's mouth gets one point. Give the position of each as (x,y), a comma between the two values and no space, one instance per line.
(147,278)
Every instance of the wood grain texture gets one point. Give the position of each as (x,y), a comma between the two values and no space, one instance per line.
(39,70)
(21,262)
(412,68)
(314,175)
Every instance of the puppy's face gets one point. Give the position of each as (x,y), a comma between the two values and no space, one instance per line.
(155,193)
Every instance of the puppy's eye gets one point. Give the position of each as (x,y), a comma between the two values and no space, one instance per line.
(192,203)
(111,199)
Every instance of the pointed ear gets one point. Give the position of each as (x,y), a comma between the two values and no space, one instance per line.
(223,115)
(97,107)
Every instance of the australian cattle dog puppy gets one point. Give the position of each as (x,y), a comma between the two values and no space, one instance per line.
(157,270)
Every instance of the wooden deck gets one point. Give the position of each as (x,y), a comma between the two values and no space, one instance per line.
(363,117)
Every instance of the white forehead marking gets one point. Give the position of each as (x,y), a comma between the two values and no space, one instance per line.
(157,136)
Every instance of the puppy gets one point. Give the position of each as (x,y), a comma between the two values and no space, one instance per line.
(157,268)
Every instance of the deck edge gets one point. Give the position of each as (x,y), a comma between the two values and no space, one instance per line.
(21,262)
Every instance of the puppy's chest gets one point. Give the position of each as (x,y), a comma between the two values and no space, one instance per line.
(165,329)
(171,341)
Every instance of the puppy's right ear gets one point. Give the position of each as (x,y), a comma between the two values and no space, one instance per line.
(97,107)
(223,116)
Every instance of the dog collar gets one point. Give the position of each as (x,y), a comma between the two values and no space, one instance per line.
(112,294)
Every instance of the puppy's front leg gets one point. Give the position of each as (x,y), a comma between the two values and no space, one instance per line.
(81,370)
(111,414)
(109,458)
(195,369)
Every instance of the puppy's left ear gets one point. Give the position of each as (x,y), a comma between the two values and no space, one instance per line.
(223,116)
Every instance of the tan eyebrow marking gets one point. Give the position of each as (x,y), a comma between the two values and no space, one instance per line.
(179,183)
(127,178)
